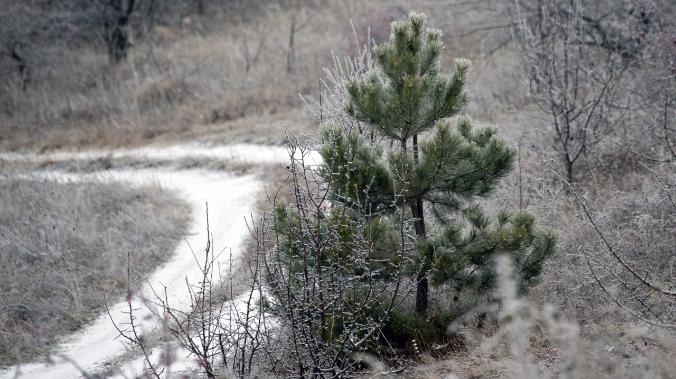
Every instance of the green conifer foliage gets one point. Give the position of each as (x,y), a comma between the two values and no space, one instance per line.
(429,167)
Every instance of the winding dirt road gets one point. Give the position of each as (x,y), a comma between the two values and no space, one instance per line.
(230,198)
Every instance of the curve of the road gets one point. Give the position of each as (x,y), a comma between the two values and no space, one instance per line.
(230,199)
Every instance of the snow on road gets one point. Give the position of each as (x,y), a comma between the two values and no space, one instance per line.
(230,199)
(244,153)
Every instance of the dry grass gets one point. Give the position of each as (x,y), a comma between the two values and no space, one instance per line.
(63,246)
(181,81)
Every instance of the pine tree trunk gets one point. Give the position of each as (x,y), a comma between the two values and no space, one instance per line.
(422,293)
(423,285)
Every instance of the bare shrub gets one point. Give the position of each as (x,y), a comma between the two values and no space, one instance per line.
(291,318)
(600,72)
(573,77)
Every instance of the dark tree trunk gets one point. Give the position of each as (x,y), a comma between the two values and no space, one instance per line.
(201,7)
(22,65)
(422,292)
(291,54)
(568,164)
(117,33)
(118,44)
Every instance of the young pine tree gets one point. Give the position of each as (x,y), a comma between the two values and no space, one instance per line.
(417,163)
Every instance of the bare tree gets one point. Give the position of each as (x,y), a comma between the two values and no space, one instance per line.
(654,80)
(251,57)
(574,77)
(600,70)
(296,23)
(15,51)
(117,14)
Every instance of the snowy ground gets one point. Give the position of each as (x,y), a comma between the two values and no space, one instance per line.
(230,199)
